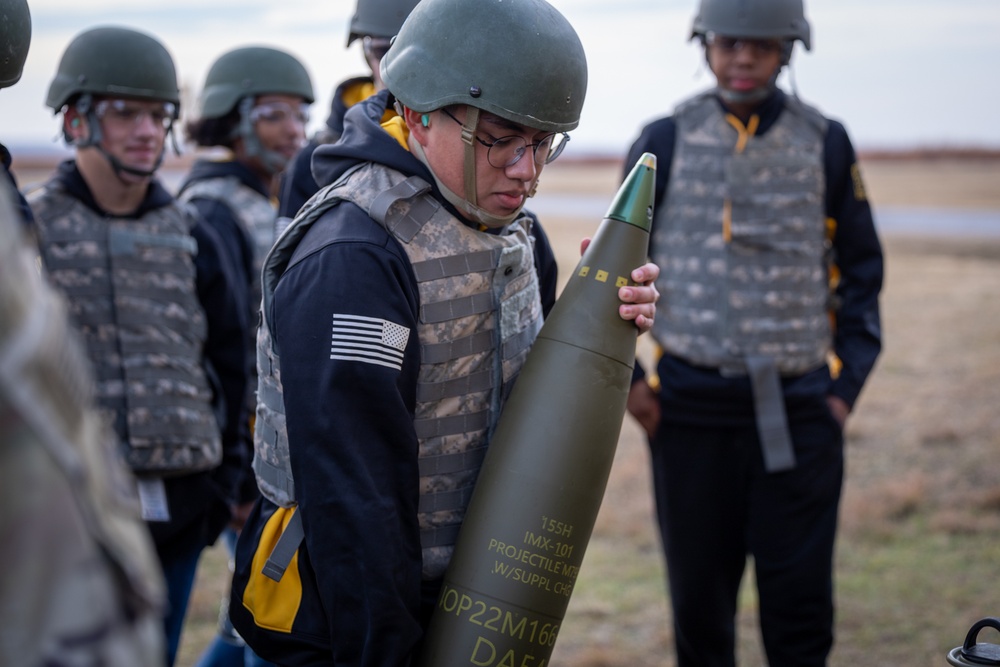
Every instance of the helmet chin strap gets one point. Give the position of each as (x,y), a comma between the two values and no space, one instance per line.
(745,97)
(119,167)
(84,107)
(469,159)
(467,205)
(272,161)
(760,93)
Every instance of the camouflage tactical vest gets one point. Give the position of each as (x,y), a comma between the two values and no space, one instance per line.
(479,314)
(252,209)
(81,583)
(130,284)
(741,242)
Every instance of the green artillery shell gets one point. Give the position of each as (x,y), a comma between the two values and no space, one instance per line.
(536,500)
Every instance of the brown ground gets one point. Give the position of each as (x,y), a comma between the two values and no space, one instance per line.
(922,492)
(917,559)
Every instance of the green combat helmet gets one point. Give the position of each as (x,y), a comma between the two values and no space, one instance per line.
(238,77)
(116,62)
(15,36)
(377,22)
(521,60)
(761,19)
(379,18)
(250,71)
(781,19)
(111,61)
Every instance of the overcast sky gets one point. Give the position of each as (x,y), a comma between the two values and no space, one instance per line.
(898,73)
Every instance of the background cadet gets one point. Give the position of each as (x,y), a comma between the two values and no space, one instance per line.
(15,35)
(401,304)
(255,104)
(760,211)
(80,581)
(152,294)
(374,23)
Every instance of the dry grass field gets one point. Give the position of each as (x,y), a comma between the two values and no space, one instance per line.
(918,559)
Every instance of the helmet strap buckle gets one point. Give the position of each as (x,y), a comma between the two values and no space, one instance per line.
(469,167)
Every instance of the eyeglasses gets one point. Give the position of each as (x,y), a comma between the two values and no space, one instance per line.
(279,112)
(759,47)
(122,112)
(507,151)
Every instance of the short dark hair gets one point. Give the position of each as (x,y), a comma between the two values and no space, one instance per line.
(213,131)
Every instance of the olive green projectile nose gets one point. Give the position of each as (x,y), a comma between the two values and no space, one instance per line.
(634,202)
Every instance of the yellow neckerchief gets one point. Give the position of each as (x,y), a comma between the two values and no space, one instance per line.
(744,132)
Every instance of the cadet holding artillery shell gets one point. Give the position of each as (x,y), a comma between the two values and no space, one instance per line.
(398,309)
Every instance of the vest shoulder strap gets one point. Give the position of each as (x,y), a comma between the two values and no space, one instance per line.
(404,222)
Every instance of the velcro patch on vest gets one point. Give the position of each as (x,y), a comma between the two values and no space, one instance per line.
(369,340)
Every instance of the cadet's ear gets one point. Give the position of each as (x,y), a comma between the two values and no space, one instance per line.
(74,125)
(418,123)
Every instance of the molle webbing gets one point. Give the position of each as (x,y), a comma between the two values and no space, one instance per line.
(760,290)
(429,265)
(130,287)
(404,223)
(479,314)
(45,381)
(435,353)
(250,207)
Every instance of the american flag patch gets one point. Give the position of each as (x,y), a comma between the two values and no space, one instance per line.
(368,339)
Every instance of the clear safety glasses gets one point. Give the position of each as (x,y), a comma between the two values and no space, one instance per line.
(280,112)
(132,112)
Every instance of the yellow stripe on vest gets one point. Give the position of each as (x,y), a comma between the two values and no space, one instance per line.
(743,136)
(273,604)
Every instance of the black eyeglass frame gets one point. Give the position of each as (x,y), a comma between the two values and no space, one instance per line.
(554,151)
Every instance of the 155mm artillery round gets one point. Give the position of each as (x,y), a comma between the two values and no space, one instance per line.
(530,518)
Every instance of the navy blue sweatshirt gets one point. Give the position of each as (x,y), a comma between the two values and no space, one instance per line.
(351,433)
(297,182)
(239,248)
(220,216)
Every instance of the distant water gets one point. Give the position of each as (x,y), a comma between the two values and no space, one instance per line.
(924,221)
(888,219)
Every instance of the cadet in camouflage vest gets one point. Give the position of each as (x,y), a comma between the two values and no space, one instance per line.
(397,311)
(768,327)
(80,583)
(253,108)
(152,293)
(374,23)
